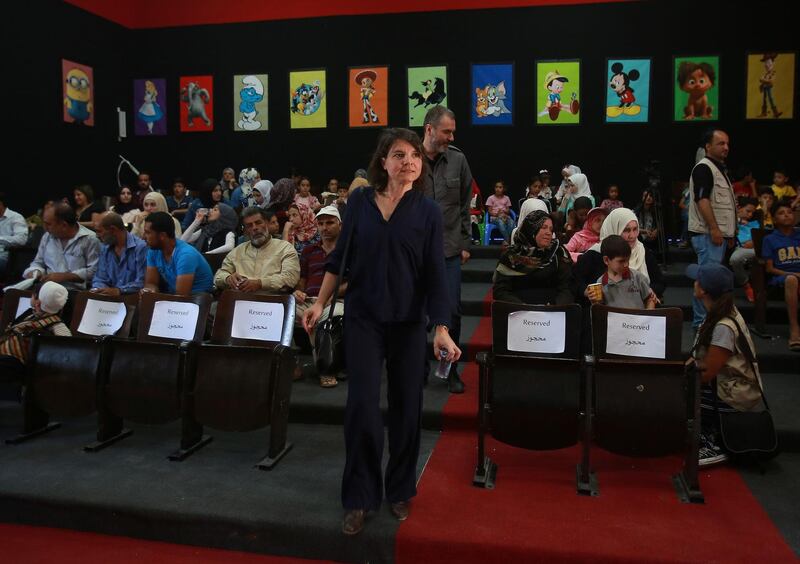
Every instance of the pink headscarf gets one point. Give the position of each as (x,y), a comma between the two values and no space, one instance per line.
(308,225)
(583,240)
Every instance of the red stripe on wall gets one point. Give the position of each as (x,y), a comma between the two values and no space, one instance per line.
(139,14)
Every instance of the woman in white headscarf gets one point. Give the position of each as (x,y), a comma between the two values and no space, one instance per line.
(577,186)
(528,206)
(152,202)
(566,172)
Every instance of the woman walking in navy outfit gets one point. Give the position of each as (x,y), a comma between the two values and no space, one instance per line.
(395,278)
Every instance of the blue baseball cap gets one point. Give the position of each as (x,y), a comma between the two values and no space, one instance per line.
(714,278)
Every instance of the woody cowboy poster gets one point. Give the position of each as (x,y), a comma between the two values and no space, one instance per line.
(368,96)
(770,85)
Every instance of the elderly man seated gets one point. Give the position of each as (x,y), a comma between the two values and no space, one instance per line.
(123,259)
(262,264)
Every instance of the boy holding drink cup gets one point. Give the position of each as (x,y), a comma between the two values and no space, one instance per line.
(620,286)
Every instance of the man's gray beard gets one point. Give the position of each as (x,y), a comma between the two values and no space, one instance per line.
(262,238)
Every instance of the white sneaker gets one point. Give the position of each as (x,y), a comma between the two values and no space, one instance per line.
(711,457)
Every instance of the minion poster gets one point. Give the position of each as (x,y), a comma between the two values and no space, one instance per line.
(696,84)
(197,103)
(150,116)
(628,90)
(770,85)
(368,99)
(558,87)
(78,99)
(492,94)
(426,87)
(250,102)
(307,99)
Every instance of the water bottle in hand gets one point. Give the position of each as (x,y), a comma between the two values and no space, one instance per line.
(443,370)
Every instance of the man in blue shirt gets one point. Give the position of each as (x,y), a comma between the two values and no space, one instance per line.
(123,259)
(174,266)
(178,204)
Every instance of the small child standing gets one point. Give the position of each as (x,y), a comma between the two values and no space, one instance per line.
(622,287)
(780,185)
(612,202)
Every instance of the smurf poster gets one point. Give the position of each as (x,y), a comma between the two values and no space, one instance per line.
(696,90)
(78,99)
(250,102)
(426,87)
(627,90)
(196,103)
(150,110)
(558,88)
(368,100)
(307,99)
(492,94)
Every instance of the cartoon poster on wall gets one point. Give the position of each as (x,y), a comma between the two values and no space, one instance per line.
(628,90)
(696,83)
(426,88)
(250,102)
(197,103)
(368,98)
(558,87)
(78,100)
(770,85)
(307,104)
(492,94)
(150,111)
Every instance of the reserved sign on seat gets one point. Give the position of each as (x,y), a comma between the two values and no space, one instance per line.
(262,321)
(537,331)
(637,335)
(174,320)
(102,318)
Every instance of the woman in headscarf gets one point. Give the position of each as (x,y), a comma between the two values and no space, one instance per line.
(528,206)
(281,196)
(126,204)
(242,197)
(566,172)
(261,194)
(208,196)
(301,228)
(577,186)
(535,269)
(589,236)
(590,265)
(152,202)
(213,232)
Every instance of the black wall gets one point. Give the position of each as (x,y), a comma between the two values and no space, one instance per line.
(58,155)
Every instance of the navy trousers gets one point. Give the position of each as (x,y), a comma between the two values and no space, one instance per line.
(367,346)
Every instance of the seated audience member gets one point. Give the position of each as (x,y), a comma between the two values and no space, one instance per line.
(577,186)
(123,259)
(153,202)
(622,287)
(86,208)
(261,194)
(781,249)
(589,236)
(305,197)
(529,206)
(535,269)
(262,264)
(476,212)
(743,256)
(281,197)
(547,191)
(566,172)
(242,196)
(729,380)
(532,190)
(745,184)
(143,188)
(646,214)
(301,229)
(68,252)
(312,271)
(612,202)
(173,266)
(341,201)
(13,231)
(581,207)
(273,227)
(499,207)
(766,200)
(126,207)
(214,231)
(780,185)
(228,184)
(178,204)
(208,196)
(42,319)
(590,265)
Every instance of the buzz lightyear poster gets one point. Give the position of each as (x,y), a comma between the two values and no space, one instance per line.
(628,90)
(558,87)
(78,98)
(307,99)
(250,102)
(150,116)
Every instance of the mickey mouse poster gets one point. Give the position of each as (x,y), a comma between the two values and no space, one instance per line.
(628,90)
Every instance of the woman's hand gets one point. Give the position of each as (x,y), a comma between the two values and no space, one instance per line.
(311,316)
(442,340)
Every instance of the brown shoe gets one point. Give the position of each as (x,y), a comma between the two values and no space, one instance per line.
(353,521)
(400,510)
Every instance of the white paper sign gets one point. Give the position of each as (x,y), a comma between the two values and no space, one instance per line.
(102,318)
(174,320)
(262,321)
(23,306)
(537,331)
(637,335)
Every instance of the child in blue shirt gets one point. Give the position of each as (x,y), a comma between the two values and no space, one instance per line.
(781,249)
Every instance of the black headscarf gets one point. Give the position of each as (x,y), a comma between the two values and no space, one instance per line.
(523,256)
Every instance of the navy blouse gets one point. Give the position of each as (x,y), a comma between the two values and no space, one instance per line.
(395,270)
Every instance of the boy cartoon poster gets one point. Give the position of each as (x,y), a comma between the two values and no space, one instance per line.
(368,98)
(426,87)
(149,107)
(196,95)
(307,99)
(492,94)
(696,84)
(558,87)
(627,90)
(78,97)
(250,102)
(770,85)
